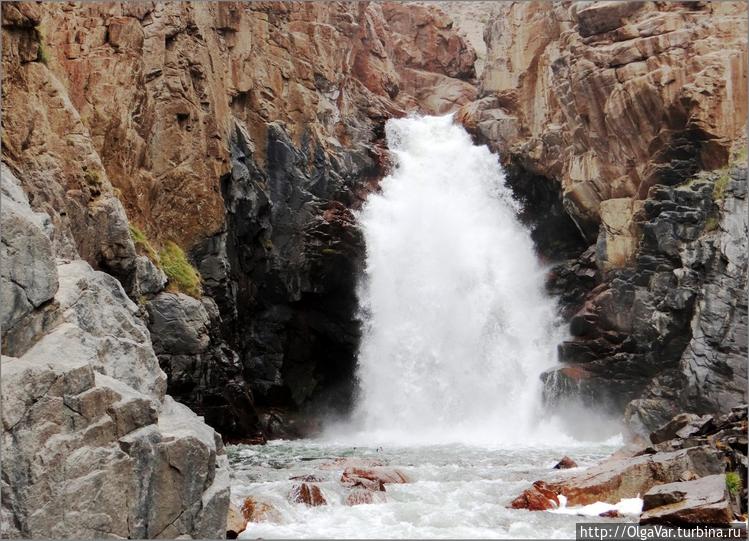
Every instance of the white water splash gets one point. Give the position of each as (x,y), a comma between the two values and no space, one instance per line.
(457,325)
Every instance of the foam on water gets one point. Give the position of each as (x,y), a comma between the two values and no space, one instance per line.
(456,491)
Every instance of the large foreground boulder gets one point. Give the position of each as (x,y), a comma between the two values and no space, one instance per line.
(91,445)
(627,477)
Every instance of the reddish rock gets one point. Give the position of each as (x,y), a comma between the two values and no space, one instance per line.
(565,464)
(617,67)
(539,497)
(307,494)
(611,513)
(154,122)
(622,477)
(373,477)
(359,496)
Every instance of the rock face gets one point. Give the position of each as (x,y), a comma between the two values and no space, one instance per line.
(92,446)
(244,133)
(605,113)
(666,332)
(702,501)
(610,98)
(202,372)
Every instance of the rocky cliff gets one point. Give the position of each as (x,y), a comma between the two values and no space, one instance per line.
(240,134)
(608,114)
(178,180)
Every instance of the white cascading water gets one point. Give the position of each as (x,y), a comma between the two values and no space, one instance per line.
(457,324)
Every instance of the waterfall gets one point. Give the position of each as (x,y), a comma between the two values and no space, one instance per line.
(457,326)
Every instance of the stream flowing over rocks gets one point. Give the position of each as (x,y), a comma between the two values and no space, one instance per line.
(318,269)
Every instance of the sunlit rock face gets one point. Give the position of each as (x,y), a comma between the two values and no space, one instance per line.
(611,98)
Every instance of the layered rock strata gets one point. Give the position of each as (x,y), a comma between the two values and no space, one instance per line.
(244,133)
(619,106)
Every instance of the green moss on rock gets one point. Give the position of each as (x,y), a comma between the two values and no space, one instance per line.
(143,245)
(183,277)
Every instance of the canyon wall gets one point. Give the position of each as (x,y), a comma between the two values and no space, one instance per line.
(178,186)
(241,134)
(610,113)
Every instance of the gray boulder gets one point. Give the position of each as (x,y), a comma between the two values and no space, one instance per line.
(701,501)
(178,323)
(91,445)
(28,277)
(150,279)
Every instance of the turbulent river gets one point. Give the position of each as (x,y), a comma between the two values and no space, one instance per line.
(457,330)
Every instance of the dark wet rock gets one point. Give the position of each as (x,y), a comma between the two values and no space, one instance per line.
(565,464)
(701,501)
(612,513)
(554,233)
(284,274)
(671,429)
(202,371)
(666,333)
(571,281)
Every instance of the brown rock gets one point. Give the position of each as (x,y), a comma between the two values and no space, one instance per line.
(609,93)
(565,463)
(307,494)
(611,513)
(626,477)
(539,497)
(146,96)
(359,496)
